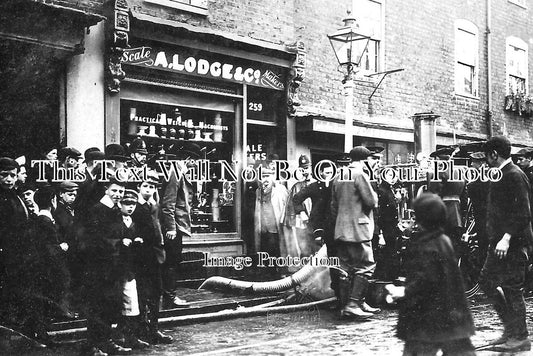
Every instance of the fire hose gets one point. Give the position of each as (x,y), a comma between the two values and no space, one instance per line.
(266,287)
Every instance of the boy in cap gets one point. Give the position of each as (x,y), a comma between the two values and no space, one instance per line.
(434,313)
(127,232)
(26,191)
(53,253)
(64,215)
(68,157)
(149,258)
(102,276)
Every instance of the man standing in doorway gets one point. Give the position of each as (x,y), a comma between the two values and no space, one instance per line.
(510,235)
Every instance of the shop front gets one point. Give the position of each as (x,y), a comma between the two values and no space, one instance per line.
(188,95)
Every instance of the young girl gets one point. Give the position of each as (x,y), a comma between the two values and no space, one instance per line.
(434,313)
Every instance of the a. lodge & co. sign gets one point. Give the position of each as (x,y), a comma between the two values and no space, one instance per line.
(183,63)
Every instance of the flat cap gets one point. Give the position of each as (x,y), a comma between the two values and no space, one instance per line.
(66,152)
(152,177)
(359,153)
(68,186)
(477,156)
(8,164)
(526,152)
(130,196)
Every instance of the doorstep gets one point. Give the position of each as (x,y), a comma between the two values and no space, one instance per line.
(201,302)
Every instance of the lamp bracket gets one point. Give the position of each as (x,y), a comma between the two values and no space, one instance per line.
(382,77)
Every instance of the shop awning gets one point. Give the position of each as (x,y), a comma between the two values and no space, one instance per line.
(203,38)
(53,26)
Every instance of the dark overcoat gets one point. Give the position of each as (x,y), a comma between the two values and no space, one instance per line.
(510,208)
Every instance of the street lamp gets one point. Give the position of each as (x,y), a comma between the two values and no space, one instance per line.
(349,46)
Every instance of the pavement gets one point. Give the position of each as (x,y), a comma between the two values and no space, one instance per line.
(312,331)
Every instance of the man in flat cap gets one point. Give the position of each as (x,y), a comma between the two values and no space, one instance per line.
(524,161)
(68,157)
(352,204)
(510,236)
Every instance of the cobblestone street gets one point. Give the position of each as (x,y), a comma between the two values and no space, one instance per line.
(310,332)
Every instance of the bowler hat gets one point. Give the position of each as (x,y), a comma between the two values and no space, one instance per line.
(93,154)
(8,164)
(430,211)
(359,153)
(66,152)
(115,152)
(138,146)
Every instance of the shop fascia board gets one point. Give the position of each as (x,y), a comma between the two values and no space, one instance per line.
(379,126)
(275,54)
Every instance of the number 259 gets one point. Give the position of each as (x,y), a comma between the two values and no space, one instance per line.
(255,106)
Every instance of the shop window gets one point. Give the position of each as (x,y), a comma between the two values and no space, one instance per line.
(369,16)
(196,6)
(183,131)
(516,70)
(264,129)
(466,58)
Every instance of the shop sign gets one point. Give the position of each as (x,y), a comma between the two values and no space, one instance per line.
(196,65)
(256,152)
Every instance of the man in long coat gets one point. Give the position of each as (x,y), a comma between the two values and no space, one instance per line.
(352,202)
(510,236)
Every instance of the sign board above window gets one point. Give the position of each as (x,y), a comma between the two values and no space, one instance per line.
(182,60)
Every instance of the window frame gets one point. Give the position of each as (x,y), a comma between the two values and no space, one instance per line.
(377,41)
(200,10)
(471,28)
(519,43)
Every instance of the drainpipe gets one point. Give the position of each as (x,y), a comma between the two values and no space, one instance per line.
(489,70)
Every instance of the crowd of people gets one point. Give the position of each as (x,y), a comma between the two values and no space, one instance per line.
(112,248)
(107,249)
(358,220)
